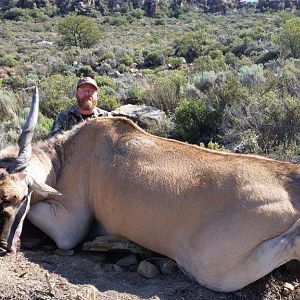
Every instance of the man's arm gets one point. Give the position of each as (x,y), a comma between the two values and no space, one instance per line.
(58,124)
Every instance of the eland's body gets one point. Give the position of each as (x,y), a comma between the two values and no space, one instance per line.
(226,219)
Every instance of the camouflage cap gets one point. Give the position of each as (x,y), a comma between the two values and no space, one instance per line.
(88,80)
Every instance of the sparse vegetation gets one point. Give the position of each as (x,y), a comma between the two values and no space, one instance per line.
(232,80)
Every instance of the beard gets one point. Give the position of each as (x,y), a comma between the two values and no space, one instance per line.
(86,104)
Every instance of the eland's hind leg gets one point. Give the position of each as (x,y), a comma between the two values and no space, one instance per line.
(67,226)
(261,260)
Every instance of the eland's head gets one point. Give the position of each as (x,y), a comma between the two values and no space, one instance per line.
(16,183)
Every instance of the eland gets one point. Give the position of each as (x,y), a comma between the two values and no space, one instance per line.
(226,219)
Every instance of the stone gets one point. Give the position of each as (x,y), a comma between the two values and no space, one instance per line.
(147,117)
(106,243)
(133,268)
(147,269)
(48,247)
(62,252)
(118,268)
(31,243)
(108,268)
(166,266)
(127,261)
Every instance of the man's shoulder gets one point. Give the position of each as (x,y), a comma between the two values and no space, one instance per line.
(101,112)
(68,111)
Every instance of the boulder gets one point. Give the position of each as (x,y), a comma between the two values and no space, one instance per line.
(147,269)
(147,117)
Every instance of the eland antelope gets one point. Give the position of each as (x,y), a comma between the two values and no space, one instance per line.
(226,219)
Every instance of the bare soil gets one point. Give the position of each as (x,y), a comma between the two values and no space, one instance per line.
(42,274)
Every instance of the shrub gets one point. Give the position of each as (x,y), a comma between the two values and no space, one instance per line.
(251,76)
(8,61)
(192,45)
(84,71)
(107,102)
(57,94)
(205,80)
(9,132)
(127,60)
(272,119)
(137,13)
(107,55)
(8,105)
(176,62)
(154,59)
(289,38)
(117,21)
(16,14)
(135,94)
(195,122)
(164,92)
(78,31)
(105,81)
(160,21)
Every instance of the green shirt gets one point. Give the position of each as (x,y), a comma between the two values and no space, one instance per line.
(70,117)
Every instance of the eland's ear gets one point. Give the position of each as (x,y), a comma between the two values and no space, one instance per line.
(42,188)
(5,163)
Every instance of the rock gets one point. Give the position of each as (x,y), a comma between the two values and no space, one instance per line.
(115,74)
(147,117)
(147,270)
(106,243)
(31,243)
(62,252)
(133,268)
(99,257)
(127,261)
(48,247)
(166,266)
(108,268)
(118,268)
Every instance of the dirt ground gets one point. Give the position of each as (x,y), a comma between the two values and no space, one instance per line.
(43,274)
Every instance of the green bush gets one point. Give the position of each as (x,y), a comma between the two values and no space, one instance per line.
(107,55)
(8,61)
(154,59)
(176,62)
(17,14)
(163,92)
(289,37)
(127,60)
(105,81)
(8,105)
(84,71)
(195,122)
(78,31)
(192,45)
(135,94)
(136,13)
(205,80)
(57,94)
(108,102)
(251,76)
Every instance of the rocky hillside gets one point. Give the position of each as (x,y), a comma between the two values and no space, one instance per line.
(105,7)
(278,4)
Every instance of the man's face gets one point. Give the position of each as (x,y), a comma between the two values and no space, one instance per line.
(87,96)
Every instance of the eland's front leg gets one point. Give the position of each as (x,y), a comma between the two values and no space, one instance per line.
(67,226)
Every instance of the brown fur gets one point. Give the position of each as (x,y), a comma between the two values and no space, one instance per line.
(194,205)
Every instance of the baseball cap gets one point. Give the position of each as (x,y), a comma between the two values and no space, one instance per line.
(88,80)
